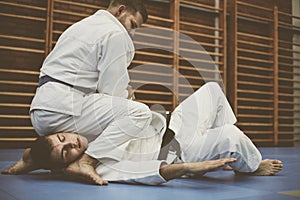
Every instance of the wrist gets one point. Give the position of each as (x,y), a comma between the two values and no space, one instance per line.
(185,168)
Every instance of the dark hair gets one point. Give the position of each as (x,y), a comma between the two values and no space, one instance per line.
(41,154)
(132,6)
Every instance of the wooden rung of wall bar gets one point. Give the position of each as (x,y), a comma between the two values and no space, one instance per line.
(22,6)
(192,68)
(201,43)
(23,17)
(71,13)
(139,91)
(200,26)
(78,4)
(29,39)
(199,5)
(11,139)
(151,82)
(151,63)
(250,83)
(18,83)
(270,77)
(159,46)
(255,17)
(200,60)
(255,67)
(254,6)
(255,59)
(201,52)
(254,51)
(62,22)
(241,41)
(254,124)
(255,116)
(144,72)
(160,18)
(201,34)
(27,94)
(16,128)
(15,116)
(255,92)
(156,102)
(19,71)
(29,50)
(254,36)
(139,52)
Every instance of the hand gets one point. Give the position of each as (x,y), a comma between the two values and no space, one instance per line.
(84,168)
(200,168)
(23,166)
(172,171)
(130,92)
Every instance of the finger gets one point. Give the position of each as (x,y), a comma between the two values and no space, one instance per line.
(229,160)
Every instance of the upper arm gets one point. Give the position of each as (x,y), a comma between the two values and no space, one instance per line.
(116,55)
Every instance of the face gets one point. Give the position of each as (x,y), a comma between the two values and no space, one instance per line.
(130,21)
(67,147)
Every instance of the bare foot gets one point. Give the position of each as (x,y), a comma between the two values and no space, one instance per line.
(84,168)
(267,167)
(23,166)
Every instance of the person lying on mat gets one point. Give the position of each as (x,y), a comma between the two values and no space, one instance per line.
(202,125)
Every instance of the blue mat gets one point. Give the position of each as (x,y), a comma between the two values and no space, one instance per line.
(41,185)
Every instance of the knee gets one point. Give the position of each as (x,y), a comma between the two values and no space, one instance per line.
(232,135)
(140,114)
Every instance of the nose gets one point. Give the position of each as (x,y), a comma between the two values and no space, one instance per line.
(72,144)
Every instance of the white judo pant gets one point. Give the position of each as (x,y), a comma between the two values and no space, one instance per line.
(107,122)
(204,127)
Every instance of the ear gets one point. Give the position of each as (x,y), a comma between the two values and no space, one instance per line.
(121,9)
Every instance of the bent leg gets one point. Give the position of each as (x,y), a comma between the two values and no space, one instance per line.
(225,142)
(207,108)
(120,121)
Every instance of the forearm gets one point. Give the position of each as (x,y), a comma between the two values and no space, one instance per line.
(172,171)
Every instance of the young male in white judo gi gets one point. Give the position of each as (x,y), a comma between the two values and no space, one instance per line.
(203,125)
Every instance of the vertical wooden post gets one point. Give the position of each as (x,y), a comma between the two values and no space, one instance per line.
(175,15)
(275,70)
(49,27)
(223,21)
(233,60)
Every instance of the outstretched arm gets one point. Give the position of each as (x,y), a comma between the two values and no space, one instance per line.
(173,171)
(23,166)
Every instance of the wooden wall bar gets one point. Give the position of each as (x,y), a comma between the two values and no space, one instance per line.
(251,47)
(22,49)
(262,70)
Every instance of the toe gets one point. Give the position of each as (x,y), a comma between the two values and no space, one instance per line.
(277,162)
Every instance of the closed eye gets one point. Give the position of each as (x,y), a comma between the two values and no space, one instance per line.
(61,137)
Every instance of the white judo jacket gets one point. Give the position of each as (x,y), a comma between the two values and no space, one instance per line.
(92,55)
